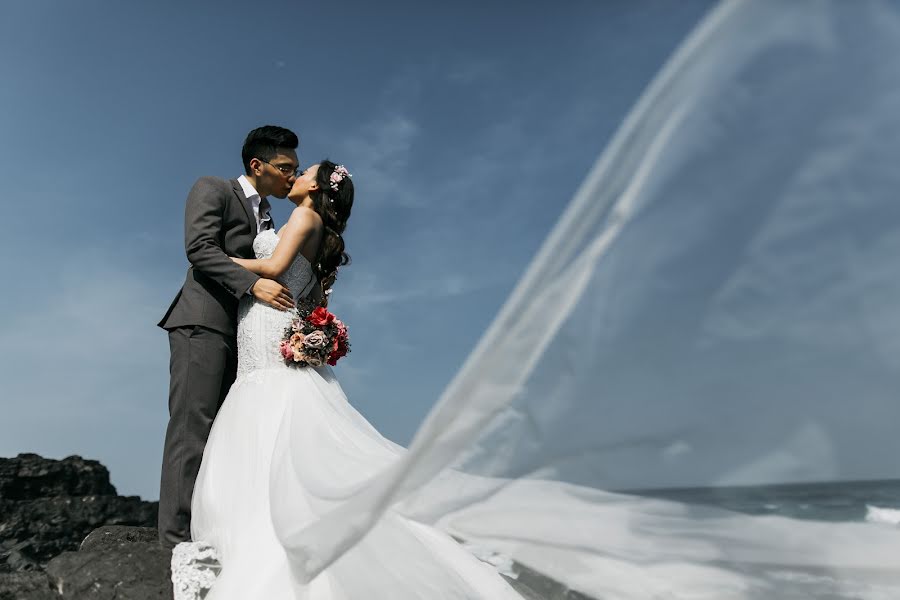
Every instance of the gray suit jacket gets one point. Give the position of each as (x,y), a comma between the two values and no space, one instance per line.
(218,223)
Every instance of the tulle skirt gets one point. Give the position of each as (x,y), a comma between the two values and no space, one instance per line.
(287,446)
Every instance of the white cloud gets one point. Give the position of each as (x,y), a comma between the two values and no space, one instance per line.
(367,289)
(676,451)
(380,158)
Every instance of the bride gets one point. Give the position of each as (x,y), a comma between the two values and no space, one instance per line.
(287,441)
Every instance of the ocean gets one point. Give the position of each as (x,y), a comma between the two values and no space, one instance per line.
(876,502)
(873,501)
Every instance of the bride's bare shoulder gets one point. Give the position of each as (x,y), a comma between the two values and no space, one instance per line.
(304,217)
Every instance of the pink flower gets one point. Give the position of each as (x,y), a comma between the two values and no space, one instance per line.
(294,346)
(316,340)
(338,175)
(341,328)
(286,350)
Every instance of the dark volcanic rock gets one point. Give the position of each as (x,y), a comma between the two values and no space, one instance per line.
(114,563)
(19,556)
(34,528)
(47,507)
(31,585)
(106,537)
(534,586)
(30,476)
(49,526)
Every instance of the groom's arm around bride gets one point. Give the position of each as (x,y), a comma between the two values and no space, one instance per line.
(204,228)
(216,227)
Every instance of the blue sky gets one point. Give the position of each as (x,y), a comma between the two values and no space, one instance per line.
(468,126)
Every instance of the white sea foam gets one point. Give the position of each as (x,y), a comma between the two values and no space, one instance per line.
(812,585)
(876,514)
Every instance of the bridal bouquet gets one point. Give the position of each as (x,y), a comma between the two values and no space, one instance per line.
(314,337)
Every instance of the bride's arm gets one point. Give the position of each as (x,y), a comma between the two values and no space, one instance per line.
(302,231)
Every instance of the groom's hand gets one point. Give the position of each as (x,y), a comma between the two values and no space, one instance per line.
(272,293)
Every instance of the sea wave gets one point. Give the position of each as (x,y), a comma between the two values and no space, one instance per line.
(877,514)
(812,585)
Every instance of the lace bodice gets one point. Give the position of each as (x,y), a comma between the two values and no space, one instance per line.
(260,326)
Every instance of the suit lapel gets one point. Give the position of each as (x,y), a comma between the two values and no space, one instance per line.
(245,202)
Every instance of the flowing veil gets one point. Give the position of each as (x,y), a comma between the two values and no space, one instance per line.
(719,305)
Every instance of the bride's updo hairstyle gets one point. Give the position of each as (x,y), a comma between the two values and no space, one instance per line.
(333,201)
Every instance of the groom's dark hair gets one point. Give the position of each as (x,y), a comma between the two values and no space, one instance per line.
(262,143)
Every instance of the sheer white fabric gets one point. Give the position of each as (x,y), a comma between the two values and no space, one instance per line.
(284,446)
(718,305)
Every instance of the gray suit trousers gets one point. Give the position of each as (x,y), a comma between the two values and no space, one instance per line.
(202,367)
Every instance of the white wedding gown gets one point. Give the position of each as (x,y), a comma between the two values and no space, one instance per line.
(286,441)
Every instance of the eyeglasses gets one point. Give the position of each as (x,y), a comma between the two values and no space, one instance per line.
(286,171)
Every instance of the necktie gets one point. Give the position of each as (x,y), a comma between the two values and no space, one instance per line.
(265,220)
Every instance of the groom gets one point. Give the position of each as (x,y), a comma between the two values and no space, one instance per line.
(221,219)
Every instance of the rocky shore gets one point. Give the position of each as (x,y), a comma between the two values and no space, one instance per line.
(66,534)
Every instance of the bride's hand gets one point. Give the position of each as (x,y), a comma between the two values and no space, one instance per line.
(272,293)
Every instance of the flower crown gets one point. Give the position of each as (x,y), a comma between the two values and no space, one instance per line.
(338,175)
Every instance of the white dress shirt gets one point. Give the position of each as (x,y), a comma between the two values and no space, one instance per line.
(255,200)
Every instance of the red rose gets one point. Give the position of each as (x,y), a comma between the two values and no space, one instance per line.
(320,317)
(334,356)
(340,347)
